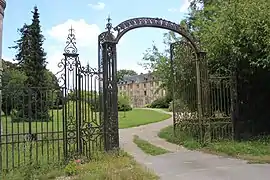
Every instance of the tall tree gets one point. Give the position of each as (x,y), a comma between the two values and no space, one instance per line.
(31,59)
(35,65)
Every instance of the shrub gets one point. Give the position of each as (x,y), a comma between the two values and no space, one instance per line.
(162,102)
(124,103)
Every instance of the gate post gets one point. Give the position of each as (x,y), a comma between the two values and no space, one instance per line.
(110,98)
(202,99)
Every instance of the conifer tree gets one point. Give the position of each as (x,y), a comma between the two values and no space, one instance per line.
(31,59)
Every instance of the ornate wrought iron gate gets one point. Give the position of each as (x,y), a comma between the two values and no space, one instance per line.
(201,104)
(83,128)
(186,86)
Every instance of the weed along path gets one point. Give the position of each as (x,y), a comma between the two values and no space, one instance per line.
(178,163)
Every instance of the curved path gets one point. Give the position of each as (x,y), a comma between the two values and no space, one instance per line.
(183,164)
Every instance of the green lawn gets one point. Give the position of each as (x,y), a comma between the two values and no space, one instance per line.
(149,148)
(138,117)
(254,151)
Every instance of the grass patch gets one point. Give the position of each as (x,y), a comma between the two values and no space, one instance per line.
(254,151)
(113,167)
(138,117)
(102,166)
(148,148)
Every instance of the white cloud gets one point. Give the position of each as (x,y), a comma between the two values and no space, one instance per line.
(183,7)
(86,34)
(86,42)
(98,6)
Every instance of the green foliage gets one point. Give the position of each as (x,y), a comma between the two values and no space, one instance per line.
(31,60)
(124,72)
(13,82)
(162,102)
(14,90)
(124,103)
(35,172)
(236,36)
(184,79)
(234,31)
(71,168)
(181,138)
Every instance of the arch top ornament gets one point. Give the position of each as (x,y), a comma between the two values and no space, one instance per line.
(118,31)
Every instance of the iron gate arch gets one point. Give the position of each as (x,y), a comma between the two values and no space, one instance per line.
(107,60)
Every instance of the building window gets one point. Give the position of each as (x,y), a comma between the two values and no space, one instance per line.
(145,93)
(151,84)
(144,85)
(138,85)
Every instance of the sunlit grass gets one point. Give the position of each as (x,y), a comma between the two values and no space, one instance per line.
(138,117)
(149,148)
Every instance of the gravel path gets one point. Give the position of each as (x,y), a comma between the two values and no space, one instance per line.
(183,164)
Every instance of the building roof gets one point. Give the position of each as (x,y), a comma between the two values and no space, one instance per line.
(137,79)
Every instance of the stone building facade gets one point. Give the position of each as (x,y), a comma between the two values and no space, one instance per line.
(142,89)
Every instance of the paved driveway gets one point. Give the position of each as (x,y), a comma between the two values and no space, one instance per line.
(183,164)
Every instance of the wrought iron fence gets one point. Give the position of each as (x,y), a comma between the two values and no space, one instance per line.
(42,125)
(201,104)
(31,127)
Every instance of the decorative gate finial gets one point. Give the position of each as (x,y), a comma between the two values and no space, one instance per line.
(71,43)
(109,24)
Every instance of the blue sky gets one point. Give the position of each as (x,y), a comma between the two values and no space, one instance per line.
(88,17)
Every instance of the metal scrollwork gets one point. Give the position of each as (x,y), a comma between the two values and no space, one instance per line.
(71,43)
(134,23)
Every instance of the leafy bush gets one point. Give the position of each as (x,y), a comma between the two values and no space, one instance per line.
(162,102)
(124,103)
